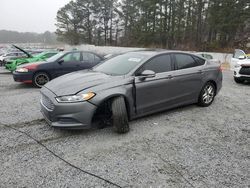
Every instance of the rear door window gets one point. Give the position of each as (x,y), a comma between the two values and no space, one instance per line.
(184,61)
(88,57)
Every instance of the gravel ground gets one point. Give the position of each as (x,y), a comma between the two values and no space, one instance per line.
(185,147)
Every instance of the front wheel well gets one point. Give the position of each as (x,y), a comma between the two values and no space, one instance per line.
(104,108)
(39,71)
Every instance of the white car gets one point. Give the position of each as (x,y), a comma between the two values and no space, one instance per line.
(11,54)
(241,66)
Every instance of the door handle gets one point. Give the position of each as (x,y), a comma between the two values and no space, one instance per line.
(169,77)
(200,71)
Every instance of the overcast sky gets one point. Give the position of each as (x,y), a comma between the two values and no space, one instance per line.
(29,15)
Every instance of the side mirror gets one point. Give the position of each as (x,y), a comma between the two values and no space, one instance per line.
(147,74)
(60,61)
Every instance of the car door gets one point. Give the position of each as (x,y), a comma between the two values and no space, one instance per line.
(88,60)
(188,76)
(68,63)
(156,93)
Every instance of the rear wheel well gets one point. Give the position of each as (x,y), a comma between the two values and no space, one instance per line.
(214,83)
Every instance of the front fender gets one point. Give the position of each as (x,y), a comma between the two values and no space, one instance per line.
(125,90)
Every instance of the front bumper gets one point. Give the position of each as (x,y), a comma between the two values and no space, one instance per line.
(242,72)
(66,115)
(25,77)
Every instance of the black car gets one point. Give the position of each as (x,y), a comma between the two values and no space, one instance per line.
(40,73)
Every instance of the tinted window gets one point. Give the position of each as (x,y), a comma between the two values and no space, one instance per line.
(184,61)
(72,57)
(88,57)
(159,64)
(199,61)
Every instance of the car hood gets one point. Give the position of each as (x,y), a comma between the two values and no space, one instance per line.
(76,82)
(24,64)
(22,50)
(245,61)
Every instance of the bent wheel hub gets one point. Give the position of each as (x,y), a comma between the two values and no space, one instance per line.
(208,94)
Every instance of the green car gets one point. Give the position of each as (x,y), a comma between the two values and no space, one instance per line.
(12,64)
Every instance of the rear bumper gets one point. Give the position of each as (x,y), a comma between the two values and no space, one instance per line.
(219,83)
(23,77)
(66,115)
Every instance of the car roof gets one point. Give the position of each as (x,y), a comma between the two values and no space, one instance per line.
(69,51)
(157,51)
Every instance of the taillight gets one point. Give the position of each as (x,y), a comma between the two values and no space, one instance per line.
(220,68)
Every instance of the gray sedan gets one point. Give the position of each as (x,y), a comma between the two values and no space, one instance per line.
(129,86)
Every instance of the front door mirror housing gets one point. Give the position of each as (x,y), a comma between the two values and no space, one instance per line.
(60,61)
(147,74)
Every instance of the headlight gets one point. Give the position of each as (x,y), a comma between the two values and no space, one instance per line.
(22,70)
(75,98)
(237,65)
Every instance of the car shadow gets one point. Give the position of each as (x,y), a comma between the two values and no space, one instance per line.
(17,86)
(96,127)
(25,86)
(6,72)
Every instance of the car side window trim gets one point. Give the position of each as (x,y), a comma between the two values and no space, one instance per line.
(149,60)
(175,61)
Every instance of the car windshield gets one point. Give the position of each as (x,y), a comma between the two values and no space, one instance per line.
(55,57)
(120,65)
(40,54)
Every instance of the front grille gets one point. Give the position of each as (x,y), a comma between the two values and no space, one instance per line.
(47,102)
(245,70)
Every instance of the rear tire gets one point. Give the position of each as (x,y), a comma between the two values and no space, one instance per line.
(120,116)
(40,79)
(238,80)
(207,95)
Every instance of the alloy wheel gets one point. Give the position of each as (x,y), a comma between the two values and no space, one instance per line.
(208,94)
(41,79)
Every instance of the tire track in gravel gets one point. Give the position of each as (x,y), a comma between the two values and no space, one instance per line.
(48,133)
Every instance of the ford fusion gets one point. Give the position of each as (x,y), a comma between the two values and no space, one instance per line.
(40,73)
(129,86)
